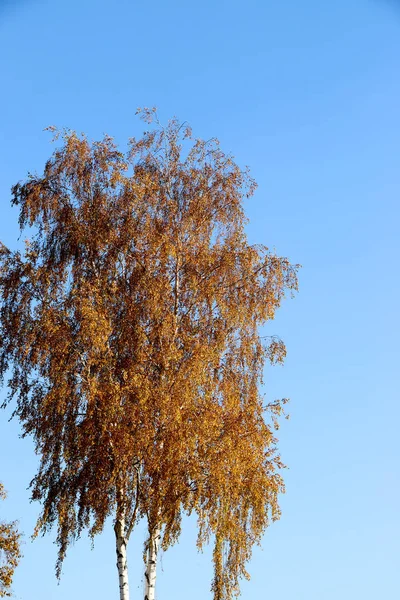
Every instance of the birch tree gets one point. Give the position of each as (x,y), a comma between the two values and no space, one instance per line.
(130,326)
(10,553)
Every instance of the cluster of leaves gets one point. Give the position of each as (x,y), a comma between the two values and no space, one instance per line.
(130,325)
(9,551)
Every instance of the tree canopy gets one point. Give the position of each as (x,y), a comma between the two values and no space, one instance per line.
(10,553)
(131,325)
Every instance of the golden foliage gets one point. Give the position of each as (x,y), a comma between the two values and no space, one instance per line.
(9,551)
(131,327)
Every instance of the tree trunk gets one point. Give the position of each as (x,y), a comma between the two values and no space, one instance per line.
(150,573)
(122,563)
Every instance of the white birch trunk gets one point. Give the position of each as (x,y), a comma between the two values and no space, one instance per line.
(122,563)
(151,568)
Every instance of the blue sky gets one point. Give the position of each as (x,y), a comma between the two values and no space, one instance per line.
(307,94)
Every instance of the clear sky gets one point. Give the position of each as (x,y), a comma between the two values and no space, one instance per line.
(307,93)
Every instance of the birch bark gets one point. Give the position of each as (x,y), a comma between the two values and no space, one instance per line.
(122,563)
(151,568)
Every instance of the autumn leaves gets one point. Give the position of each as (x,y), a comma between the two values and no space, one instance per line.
(9,551)
(131,329)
